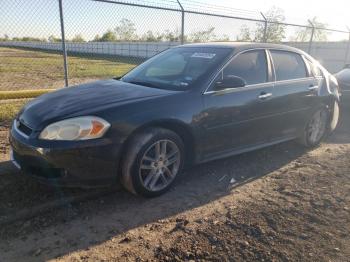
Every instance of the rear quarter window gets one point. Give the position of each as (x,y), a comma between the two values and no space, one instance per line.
(288,65)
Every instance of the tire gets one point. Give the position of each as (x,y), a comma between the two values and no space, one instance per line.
(334,117)
(154,158)
(316,128)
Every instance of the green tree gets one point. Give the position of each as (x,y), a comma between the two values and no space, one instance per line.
(54,39)
(5,38)
(126,30)
(108,36)
(29,39)
(320,34)
(78,39)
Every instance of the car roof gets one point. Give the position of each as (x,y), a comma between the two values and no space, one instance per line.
(241,46)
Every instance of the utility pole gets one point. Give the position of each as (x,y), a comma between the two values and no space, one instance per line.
(182,22)
(63,40)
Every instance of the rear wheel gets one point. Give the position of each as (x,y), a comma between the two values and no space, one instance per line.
(154,159)
(316,128)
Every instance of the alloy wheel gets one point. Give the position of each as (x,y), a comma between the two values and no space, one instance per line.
(317,126)
(159,165)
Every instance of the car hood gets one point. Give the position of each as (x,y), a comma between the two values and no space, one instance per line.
(84,99)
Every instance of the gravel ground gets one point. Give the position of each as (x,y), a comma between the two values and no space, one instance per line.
(282,203)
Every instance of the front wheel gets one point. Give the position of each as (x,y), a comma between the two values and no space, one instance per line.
(153,160)
(334,117)
(316,128)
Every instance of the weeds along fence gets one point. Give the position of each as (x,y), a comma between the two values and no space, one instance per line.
(50,44)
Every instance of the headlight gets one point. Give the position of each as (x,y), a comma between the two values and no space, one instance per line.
(78,128)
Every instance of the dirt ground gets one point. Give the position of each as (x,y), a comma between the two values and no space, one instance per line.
(282,203)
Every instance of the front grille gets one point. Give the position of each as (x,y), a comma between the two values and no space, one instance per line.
(23,128)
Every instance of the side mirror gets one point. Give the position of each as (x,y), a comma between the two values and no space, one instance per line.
(230,81)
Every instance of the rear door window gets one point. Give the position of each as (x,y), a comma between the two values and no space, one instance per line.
(288,65)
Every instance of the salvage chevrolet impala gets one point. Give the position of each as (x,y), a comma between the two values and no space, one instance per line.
(187,105)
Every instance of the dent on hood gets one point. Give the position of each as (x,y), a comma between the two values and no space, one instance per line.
(84,99)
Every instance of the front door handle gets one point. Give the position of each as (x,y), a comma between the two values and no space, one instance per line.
(264,95)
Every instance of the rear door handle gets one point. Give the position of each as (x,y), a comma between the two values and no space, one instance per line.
(263,96)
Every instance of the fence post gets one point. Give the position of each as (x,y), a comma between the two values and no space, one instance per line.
(63,40)
(347,49)
(265,28)
(311,37)
(182,22)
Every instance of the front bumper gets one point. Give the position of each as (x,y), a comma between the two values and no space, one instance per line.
(89,163)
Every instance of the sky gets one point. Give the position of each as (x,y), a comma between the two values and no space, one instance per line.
(40,18)
(335,13)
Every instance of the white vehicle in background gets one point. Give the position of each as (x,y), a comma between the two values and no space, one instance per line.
(343,78)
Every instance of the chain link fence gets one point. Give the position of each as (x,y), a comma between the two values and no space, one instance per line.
(47,44)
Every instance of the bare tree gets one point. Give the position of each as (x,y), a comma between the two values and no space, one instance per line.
(126,30)
(149,36)
(275,31)
(245,34)
(171,36)
(203,36)
(320,34)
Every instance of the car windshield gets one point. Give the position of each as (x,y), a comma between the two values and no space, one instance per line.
(177,68)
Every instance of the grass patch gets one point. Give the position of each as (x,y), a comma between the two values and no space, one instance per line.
(9,110)
(24,69)
(30,61)
(23,93)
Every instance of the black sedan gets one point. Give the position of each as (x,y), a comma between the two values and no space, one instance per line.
(343,78)
(187,105)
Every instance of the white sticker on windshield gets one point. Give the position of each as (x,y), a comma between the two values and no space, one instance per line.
(203,55)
